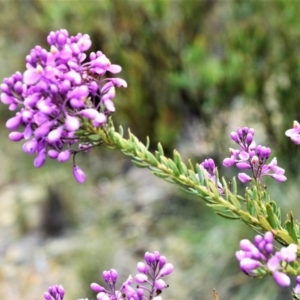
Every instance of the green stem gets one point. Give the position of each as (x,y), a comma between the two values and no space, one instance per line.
(175,171)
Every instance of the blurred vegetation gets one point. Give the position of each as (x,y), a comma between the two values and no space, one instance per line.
(194,68)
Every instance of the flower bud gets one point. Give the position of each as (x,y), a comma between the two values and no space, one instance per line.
(97,288)
(141,278)
(166,270)
(142,268)
(281,279)
(78,174)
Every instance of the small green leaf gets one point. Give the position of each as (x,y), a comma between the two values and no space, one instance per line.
(288,225)
(214,189)
(152,159)
(160,174)
(160,149)
(234,186)
(284,237)
(139,164)
(234,201)
(227,216)
(94,137)
(147,142)
(245,217)
(121,131)
(264,223)
(271,217)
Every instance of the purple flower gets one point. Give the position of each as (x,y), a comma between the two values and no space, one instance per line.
(281,279)
(252,157)
(297,288)
(79,175)
(209,168)
(60,92)
(55,292)
(294,133)
(260,256)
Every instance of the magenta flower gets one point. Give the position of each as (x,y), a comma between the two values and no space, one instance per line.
(209,168)
(249,156)
(55,292)
(59,92)
(148,280)
(294,133)
(259,257)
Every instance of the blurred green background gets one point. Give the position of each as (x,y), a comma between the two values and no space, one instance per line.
(196,70)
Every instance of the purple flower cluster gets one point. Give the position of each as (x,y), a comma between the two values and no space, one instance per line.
(149,280)
(60,92)
(294,133)
(253,157)
(209,167)
(55,292)
(259,258)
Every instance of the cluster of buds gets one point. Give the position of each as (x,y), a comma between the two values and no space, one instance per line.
(253,157)
(209,168)
(149,280)
(60,92)
(259,258)
(55,292)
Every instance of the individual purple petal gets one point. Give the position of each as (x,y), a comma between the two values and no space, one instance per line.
(43,130)
(234,136)
(149,258)
(296,138)
(79,175)
(61,291)
(114,69)
(97,288)
(28,132)
(102,296)
(32,76)
(269,248)
(244,155)
(89,113)
(288,253)
(279,177)
(53,153)
(257,239)
(142,268)
(228,162)
(166,270)
(243,177)
(55,134)
(40,159)
(64,156)
(162,261)
(14,122)
(99,119)
(141,278)
(79,92)
(6,99)
(243,165)
(16,136)
(30,146)
(119,82)
(160,284)
(281,279)
(248,264)
(273,263)
(72,123)
(297,289)
(109,105)
(113,275)
(84,43)
(47,296)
